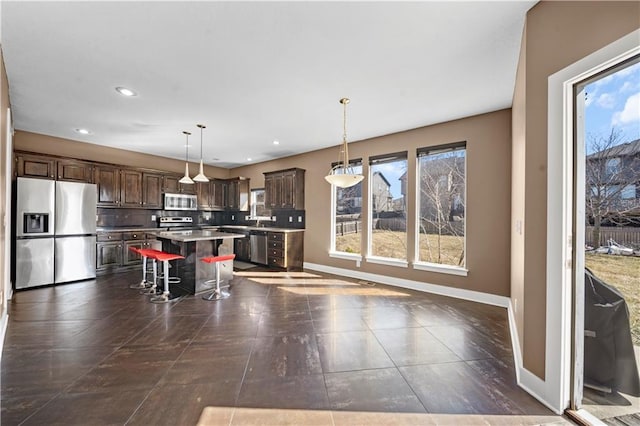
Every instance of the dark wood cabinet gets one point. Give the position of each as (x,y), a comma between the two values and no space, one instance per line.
(211,195)
(113,249)
(108,255)
(285,250)
(152,190)
(242,248)
(203,192)
(130,188)
(170,184)
(75,171)
(35,166)
(284,189)
(238,194)
(217,194)
(107,179)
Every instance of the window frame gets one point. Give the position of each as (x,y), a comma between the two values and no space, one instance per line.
(431,266)
(355,162)
(370,257)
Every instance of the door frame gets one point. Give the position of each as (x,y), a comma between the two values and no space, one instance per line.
(564,345)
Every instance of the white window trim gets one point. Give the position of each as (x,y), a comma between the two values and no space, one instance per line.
(417,263)
(332,243)
(389,261)
(345,255)
(440,268)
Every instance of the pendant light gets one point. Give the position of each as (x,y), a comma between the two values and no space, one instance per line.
(342,174)
(200,177)
(186,179)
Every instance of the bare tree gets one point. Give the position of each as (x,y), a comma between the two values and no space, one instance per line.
(611,170)
(442,200)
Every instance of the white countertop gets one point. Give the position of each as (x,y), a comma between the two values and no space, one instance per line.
(195,235)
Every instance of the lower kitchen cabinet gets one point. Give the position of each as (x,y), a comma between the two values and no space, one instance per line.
(108,255)
(113,252)
(242,249)
(285,250)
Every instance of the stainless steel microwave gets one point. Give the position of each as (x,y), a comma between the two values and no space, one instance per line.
(180,202)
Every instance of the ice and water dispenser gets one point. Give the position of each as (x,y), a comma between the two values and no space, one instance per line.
(35,223)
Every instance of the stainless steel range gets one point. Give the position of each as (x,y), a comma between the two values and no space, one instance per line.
(175,222)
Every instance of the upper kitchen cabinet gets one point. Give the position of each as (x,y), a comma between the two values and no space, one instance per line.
(172,185)
(218,188)
(35,166)
(107,180)
(203,192)
(211,195)
(284,189)
(238,194)
(130,188)
(152,190)
(75,171)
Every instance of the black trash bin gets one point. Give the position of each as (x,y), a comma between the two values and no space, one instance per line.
(609,360)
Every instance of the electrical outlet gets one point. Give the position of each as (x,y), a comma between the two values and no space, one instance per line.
(290,219)
(273,218)
(153,217)
(247,217)
(299,219)
(233,217)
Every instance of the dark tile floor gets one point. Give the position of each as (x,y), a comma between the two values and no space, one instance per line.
(99,353)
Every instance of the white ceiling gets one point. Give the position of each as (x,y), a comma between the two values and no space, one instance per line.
(254,72)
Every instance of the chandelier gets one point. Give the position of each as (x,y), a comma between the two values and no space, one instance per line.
(342,174)
(186,179)
(200,177)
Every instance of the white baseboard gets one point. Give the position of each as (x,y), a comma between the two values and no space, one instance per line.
(4,321)
(458,293)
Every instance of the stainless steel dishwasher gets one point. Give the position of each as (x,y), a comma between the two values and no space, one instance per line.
(258,240)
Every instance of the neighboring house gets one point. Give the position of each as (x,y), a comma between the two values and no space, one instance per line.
(382,200)
(349,200)
(613,183)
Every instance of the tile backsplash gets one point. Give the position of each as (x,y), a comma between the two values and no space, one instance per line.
(127,218)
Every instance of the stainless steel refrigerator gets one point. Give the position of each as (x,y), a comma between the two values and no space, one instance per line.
(55,232)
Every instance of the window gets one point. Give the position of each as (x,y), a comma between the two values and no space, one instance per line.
(258,209)
(387,207)
(628,192)
(347,216)
(612,166)
(441,205)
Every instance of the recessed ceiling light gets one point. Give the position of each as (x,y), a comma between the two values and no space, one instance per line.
(125,92)
(276,142)
(249,159)
(83,131)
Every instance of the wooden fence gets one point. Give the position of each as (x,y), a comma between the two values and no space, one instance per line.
(349,227)
(627,236)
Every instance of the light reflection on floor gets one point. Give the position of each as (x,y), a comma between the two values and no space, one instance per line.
(304,283)
(338,291)
(249,274)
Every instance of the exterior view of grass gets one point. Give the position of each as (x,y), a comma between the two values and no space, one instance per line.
(622,272)
(394,245)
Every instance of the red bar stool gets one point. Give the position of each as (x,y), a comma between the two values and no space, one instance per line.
(165,258)
(145,254)
(218,293)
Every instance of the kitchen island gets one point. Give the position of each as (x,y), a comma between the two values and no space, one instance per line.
(195,245)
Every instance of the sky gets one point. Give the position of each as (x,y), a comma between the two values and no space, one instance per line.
(614,102)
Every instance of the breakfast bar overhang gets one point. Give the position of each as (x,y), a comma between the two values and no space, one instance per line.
(195,245)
